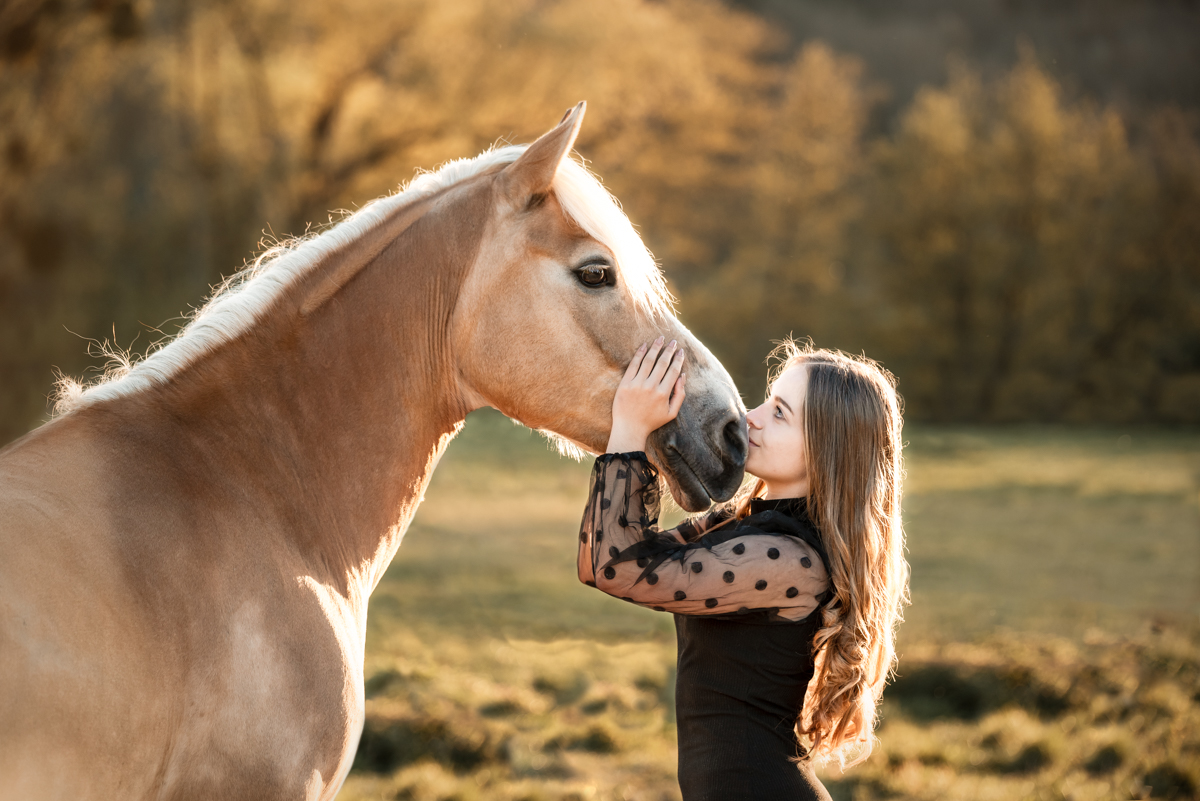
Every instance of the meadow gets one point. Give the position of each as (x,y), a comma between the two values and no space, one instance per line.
(1052,649)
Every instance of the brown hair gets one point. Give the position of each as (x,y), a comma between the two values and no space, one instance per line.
(852,428)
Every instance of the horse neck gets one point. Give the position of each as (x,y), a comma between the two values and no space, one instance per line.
(335,419)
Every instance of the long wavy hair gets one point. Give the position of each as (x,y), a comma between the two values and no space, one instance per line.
(852,429)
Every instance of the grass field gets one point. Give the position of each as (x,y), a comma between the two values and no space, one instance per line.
(1052,649)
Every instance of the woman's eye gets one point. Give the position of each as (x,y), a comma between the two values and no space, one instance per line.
(779,412)
(593,275)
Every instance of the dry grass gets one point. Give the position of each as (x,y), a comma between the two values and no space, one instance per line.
(1052,650)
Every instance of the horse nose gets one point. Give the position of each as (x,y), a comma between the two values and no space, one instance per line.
(735,439)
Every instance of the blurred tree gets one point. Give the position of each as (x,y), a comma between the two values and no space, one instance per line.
(1174,256)
(1020,240)
(776,242)
(1011,254)
(149,145)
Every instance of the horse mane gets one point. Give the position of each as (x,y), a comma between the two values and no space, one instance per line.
(239,301)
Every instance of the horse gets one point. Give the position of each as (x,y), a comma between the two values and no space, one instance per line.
(190,545)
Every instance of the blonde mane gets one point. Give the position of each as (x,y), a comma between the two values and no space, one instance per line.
(242,299)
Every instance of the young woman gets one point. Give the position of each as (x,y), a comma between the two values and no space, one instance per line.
(787,598)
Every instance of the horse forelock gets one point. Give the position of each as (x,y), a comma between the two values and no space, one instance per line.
(241,300)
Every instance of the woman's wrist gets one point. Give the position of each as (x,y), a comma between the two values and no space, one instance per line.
(626,439)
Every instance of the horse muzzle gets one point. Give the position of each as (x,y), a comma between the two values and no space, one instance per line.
(702,456)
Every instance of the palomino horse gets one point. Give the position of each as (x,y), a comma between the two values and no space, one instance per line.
(188,550)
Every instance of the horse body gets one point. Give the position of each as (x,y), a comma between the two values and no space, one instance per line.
(191,653)
(189,556)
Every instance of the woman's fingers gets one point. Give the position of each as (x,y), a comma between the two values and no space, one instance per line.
(650,394)
(635,363)
(650,359)
(663,364)
(677,396)
(674,368)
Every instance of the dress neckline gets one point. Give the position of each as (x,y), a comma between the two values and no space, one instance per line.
(792,507)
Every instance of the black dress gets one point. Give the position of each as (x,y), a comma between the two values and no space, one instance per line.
(743,595)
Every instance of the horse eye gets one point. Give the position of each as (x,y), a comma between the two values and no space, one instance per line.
(593,275)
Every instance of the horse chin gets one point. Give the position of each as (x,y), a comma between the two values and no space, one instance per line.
(692,487)
(688,492)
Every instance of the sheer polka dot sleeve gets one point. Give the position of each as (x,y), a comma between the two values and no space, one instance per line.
(622,511)
(732,571)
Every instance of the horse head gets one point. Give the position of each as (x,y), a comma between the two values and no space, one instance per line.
(561,293)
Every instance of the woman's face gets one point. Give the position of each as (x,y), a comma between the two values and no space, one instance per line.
(777,451)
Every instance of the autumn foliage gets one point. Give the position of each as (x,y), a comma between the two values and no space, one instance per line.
(1011,251)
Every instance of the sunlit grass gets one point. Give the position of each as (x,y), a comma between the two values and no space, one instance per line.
(1051,650)
(1051,530)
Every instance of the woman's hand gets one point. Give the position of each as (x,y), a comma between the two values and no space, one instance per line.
(648,397)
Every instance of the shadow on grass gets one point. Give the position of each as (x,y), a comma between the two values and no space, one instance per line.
(955,692)
(856,787)
(1170,781)
(388,745)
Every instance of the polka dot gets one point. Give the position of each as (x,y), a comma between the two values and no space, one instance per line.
(607,502)
(773,553)
(590,583)
(659,609)
(710,603)
(609,573)
(614,551)
(792,592)
(652,578)
(761,584)
(805,561)
(583,536)
(697,567)
(728,576)
(680,595)
(642,561)
(740,548)
(623,521)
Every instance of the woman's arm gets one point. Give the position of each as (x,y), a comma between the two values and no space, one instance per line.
(623,552)
(622,511)
(649,396)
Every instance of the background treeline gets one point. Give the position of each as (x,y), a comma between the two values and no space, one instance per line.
(999,202)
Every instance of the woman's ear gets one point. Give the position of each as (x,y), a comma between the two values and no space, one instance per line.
(533,173)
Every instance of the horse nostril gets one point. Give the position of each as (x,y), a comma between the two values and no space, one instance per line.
(735,439)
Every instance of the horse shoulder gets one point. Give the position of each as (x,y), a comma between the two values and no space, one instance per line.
(153,635)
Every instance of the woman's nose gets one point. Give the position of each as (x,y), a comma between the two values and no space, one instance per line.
(752,418)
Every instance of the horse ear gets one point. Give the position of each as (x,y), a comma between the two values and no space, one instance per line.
(533,173)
